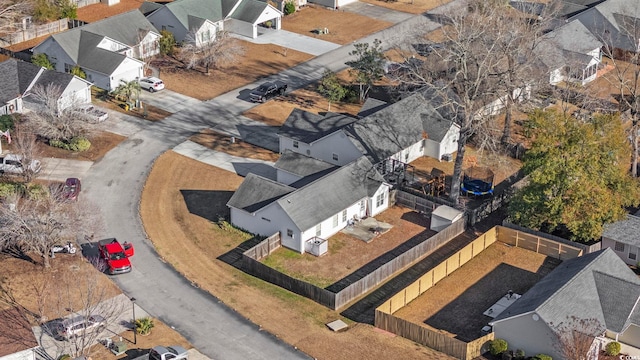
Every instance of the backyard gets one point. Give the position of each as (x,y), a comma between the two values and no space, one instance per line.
(455,305)
(409,6)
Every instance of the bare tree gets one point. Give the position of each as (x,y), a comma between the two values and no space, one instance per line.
(12,12)
(35,224)
(25,146)
(575,337)
(223,49)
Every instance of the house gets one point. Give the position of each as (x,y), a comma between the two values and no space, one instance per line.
(19,78)
(624,238)
(292,167)
(17,341)
(201,20)
(388,134)
(309,210)
(595,287)
(570,53)
(615,22)
(109,51)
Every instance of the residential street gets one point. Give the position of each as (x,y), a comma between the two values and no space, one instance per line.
(115,183)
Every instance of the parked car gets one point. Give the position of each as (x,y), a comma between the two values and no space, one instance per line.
(165,353)
(92,113)
(79,325)
(116,255)
(268,90)
(151,84)
(69,190)
(12,164)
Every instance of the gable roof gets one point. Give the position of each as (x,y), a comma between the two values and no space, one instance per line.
(610,17)
(81,43)
(568,45)
(301,165)
(396,127)
(596,286)
(15,78)
(249,10)
(626,231)
(212,10)
(148,7)
(308,127)
(370,106)
(318,200)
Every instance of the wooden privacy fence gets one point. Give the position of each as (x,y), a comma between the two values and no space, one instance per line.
(385,320)
(414,202)
(336,300)
(34,32)
(83,3)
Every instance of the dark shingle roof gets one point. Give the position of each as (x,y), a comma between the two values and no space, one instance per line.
(610,17)
(148,7)
(371,106)
(625,231)
(249,10)
(301,165)
(308,127)
(584,287)
(568,45)
(54,77)
(256,192)
(213,10)
(15,78)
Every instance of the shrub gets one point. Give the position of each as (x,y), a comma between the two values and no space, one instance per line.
(612,348)
(10,189)
(542,357)
(498,346)
(6,122)
(68,9)
(65,357)
(167,42)
(289,8)
(144,325)
(77,144)
(37,191)
(42,60)
(520,354)
(77,71)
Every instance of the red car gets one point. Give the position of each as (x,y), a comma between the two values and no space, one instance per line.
(116,255)
(71,189)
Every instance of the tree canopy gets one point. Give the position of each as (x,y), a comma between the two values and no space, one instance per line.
(368,67)
(578,175)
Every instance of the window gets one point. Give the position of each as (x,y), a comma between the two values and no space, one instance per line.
(295,144)
(68,67)
(265,219)
(335,220)
(344,215)
(362,205)
(318,230)
(380,200)
(619,246)
(289,233)
(335,156)
(632,256)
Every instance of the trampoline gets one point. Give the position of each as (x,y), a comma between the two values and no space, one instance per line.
(477,181)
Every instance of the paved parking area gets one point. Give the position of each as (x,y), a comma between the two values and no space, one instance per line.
(168,100)
(61,169)
(291,40)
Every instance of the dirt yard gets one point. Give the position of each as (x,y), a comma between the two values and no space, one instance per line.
(168,208)
(220,142)
(409,6)
(344,27)
(455,305)
(346,253)
(95,12)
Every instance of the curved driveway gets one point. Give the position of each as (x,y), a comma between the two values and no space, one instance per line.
(115,184)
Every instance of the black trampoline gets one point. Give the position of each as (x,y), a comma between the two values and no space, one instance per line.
(477,181)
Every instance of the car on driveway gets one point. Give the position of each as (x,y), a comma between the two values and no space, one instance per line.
(13,164)
(268,90)
(79,326)
(165,353)
(151,84)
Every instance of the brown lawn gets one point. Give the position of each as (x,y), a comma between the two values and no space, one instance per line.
(298,321)
(259,60)
(95,12)
(344,27)
(409,6)
(456,303)
(220,142)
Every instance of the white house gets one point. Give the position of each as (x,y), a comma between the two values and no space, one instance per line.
(19,78)
(17,341)
(596,287)
(200,20)
(570,53)
(623,237)
(109,51)
(309,209)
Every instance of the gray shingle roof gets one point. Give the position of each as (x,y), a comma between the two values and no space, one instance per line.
(54,77)
(213,10)
(315,202)
(301,165)
(567,45)
(610,17)
(625,231)
(596,286)
(396,127)
(329,195)
(148,7)
(249,10)
(15,78)
(256,192)
(80,43)
(308,127)
(372,105)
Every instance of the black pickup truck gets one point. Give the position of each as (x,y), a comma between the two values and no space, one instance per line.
(268,90)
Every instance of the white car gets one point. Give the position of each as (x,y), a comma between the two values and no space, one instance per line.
(151,84)
(12,164)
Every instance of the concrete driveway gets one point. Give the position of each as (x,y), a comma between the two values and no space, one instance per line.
(168,100)
(295,41)
(61,169)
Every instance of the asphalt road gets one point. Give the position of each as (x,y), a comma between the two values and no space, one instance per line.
(115,183)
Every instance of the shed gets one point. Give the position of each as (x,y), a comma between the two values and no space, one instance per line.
(443,216)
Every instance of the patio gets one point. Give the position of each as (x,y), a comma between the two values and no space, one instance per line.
(366,229)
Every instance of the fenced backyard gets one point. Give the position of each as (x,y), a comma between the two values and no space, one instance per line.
(34,31)
(442,340)
(358,286)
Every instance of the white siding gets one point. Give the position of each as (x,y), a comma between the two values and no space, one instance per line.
(432,149)
(631,336)
(344,2)
(375,209)
(241,28)
(449,143)
(164,18)
(77,92)
(148,47)
(206,34)
(267,222)
(556,76)
(28,354)
(522,332)
(328,229)
(270,13)
(129,70)
(624,255)
(323,149)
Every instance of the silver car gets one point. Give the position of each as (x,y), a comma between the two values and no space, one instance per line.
(12,164)
(79,326)
(151,84)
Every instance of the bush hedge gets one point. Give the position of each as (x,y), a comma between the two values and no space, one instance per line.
(77,144)
(498,346)
(612,348)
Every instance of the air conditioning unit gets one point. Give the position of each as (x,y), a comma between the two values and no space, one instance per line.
(317,246)
(447,157)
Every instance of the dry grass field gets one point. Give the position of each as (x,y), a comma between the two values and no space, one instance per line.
(409,6)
